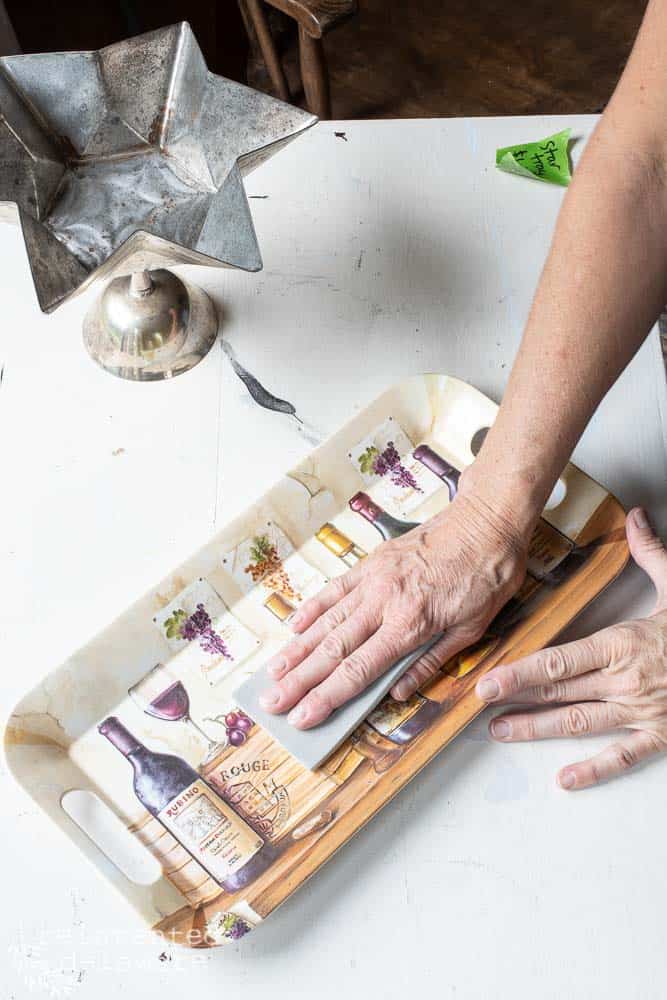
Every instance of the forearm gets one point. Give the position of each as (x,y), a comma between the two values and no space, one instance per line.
(602,288)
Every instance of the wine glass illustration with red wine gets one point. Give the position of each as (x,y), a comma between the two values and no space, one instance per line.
(161,694)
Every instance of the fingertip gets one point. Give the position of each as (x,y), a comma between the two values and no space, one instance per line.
(270,699)
(641,535)
(639,519)
(567,779)
(487,688)
(298,622)
(298,717)
(500,729)
(404,689)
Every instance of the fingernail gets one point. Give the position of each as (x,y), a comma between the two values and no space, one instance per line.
(277,666)
(641,520)
(567,779)
(500,729)
(488,689)
(298,714)
(405,688)
(295,620)
(270,698)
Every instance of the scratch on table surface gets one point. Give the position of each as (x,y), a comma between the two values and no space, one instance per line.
(259,393)
(258,197)
(266,399)
(360,259)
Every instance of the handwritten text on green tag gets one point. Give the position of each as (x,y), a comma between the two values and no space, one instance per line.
(546,160)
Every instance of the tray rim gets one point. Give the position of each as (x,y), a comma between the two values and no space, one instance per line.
(9,744)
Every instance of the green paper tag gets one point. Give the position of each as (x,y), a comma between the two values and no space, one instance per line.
(546,160)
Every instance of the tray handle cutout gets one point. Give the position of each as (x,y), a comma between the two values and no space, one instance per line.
(111,836)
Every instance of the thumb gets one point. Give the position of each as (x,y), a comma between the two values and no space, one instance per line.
(648,551)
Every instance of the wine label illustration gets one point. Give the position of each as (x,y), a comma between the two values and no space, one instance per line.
(270,788)
(340,545)
(198,624)
(547,549)
(210,830)
(266,566)
(389,470)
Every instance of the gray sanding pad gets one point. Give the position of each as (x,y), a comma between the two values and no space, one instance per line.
(312,746)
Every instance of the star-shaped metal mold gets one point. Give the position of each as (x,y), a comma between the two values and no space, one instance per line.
(132,158)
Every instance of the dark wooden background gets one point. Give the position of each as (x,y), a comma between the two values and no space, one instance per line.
(43,26)
(398,58)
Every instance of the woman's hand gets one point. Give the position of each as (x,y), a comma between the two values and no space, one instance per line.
(615,679)
(451,574)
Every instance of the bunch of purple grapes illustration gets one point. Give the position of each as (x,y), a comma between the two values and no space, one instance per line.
(227,925)
(388,462)
(196,626)
(238,725)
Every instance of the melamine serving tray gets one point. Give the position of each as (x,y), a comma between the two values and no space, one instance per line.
(219,616)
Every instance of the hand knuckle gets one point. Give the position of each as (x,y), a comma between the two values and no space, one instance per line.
(624,758)
(355,672)
(290,685)
(424,670)
(576,721)
(333,646)
(548,692)
(411,631)
(530,728)
(515,681)
(628,640)
(338,588)
(335,616)
(636,684)
(429,664)
(555,663)
(295,652)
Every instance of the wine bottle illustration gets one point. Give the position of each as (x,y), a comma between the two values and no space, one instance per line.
(279,606)
(339,544)
(398,721)
(207,827)
(387,525)
(437,464)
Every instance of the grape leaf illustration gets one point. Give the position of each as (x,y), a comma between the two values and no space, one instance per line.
(388,462)
(261,550)
(174,623)
(367,459)
(234,927)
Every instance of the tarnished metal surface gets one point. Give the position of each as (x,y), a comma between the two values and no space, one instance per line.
(132,157)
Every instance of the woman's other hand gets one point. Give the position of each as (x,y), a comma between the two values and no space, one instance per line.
(614,679)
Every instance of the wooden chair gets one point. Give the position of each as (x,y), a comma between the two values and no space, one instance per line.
(9,45)
(314,19)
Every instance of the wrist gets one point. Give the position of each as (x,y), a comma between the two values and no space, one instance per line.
(512,501)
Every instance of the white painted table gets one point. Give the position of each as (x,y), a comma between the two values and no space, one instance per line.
(400,249)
